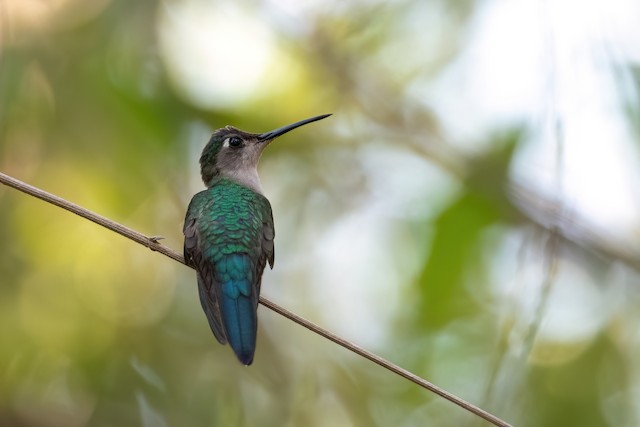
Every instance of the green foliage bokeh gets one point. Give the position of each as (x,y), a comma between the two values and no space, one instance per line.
(100,331)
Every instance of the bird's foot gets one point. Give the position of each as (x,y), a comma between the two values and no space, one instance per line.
(156,239)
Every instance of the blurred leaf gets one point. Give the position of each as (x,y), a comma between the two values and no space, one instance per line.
(458,231)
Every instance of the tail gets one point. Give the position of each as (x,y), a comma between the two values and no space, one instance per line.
(239,304)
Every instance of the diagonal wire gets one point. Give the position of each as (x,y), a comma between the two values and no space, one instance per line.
(152,243)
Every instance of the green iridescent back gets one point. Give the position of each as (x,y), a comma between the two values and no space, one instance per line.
(234,218)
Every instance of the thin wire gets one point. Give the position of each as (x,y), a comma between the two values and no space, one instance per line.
(152,243)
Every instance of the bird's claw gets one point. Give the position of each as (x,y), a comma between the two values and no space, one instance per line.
(156,239)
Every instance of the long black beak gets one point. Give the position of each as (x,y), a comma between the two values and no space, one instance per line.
(284,129)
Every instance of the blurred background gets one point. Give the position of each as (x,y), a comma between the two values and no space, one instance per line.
(471,211)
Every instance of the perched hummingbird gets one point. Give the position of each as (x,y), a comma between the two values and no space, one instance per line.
(228,234)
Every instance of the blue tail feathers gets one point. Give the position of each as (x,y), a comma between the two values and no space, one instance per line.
(238,305)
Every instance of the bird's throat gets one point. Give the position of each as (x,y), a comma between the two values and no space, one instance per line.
(247,177)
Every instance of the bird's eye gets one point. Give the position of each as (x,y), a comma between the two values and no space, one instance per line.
(234,141)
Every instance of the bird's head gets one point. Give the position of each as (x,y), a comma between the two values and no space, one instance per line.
(235,154)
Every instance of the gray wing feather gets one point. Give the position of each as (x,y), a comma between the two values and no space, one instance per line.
(206,280)
(268,234)
(266,249)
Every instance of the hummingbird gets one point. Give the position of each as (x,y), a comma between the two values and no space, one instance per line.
(228,234)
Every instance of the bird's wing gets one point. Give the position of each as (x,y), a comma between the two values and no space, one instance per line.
(264,247)
(268,233)
(193,255)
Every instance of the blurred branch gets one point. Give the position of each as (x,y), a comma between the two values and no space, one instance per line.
(415,126)
(152,243)
(535,207)
(548,214)
(538,209)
